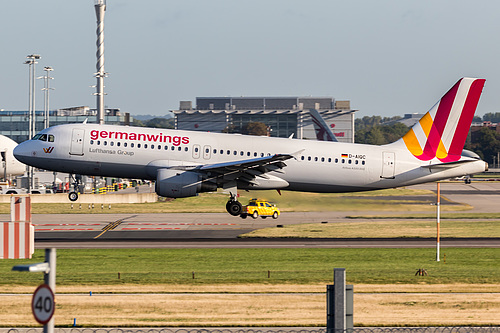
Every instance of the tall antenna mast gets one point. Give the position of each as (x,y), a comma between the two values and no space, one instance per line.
(100,8)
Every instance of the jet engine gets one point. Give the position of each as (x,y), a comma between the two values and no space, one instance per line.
(180,184)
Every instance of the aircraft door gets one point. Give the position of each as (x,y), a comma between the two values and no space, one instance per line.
(206,152)
(77,142)
(388,165)
(196,151)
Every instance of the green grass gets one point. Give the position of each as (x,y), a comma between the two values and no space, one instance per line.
(288,202)
(383,229)
(234,266)
(477,216)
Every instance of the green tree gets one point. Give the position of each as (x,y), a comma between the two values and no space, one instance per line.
(137,123)
(255,128)
(493,117)
(160,123)
(485,143)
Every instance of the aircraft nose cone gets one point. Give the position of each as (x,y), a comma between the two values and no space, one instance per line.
(22,152)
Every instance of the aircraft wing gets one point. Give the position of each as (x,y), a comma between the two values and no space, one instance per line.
(245,170)
(251,171)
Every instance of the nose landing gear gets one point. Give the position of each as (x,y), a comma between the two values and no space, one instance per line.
(233,206)
(77,180)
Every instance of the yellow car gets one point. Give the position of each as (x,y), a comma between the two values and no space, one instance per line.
(262,208)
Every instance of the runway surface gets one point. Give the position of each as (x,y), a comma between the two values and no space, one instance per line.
(205,230)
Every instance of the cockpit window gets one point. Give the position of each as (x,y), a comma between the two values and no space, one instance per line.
(43,137)
(51,138)
(36,137)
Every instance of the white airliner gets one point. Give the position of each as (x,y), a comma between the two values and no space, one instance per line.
(9,166)
(184,163)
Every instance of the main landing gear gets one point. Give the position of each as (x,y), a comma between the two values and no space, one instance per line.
(233,206)
(77,180)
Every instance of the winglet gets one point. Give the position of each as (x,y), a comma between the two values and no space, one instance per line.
(442,131)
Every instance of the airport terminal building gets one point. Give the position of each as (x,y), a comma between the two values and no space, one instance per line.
(284,116)
(14,124)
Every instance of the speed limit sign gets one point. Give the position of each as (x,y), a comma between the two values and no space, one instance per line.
(42,304)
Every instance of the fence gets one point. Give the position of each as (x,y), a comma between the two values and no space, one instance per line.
(489,329)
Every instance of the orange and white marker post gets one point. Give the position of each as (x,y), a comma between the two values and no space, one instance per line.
(438,218)
(18,236)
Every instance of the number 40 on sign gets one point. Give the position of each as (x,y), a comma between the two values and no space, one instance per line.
(42,304)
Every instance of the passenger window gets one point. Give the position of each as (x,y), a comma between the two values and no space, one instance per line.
(179,149)
(248,153)
(242,153)
(173,148)
(363,162)
(132,145)
(196,149)
(207,151)
(221,151)
(118,144)
(235,153)
(159,147)
(322,159)
(261,154)
(302,157)
(145,145)
(125,144)
(138,145)
(356,162)
(215,151)
(255,154)
(329,159)
(51,138)
(166,147)
(111,143)
(186,149)
(315,159)
(308,158)
(350,161)
(105,143)
(91,142)
(336,160)
(343,161)
(98,142)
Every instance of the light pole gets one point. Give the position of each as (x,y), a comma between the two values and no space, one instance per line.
(46,88)
(100,9)
(32,61)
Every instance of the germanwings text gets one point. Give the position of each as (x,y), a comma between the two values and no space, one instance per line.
(161,138)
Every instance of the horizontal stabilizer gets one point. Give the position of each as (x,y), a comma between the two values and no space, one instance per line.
(447,165)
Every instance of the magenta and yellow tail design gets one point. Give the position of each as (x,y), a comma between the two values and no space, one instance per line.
(442,131)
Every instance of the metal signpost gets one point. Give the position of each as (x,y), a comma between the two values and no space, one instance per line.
(42,303)
(438,219)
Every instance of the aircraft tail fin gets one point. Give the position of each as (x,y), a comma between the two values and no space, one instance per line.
(442,131)
(323,132)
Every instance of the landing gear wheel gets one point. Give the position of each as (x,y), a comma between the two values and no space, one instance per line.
(234,208)
(275,215)
(73,196)
(255,214)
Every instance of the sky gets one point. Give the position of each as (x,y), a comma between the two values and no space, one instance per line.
(388,57)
